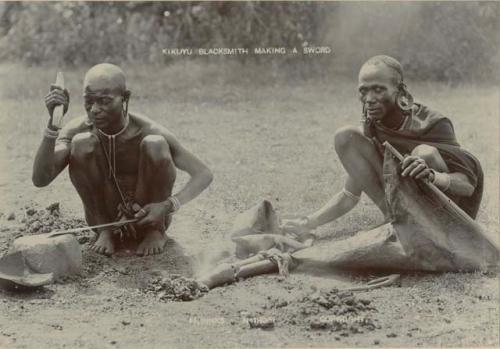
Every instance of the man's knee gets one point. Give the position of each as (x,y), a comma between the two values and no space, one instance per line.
(431,156)
(83,145)
(156,148)
(347,136)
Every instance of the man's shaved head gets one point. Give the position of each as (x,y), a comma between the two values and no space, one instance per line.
(386,64)
(381,89)
(105,77)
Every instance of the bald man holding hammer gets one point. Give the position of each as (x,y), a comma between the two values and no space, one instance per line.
(122,164)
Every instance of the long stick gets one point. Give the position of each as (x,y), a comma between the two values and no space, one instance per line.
(76,230)
(454,208)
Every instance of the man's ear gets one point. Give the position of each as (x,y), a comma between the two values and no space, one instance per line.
(404,99)
(126,95)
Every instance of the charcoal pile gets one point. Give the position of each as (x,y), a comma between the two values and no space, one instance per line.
(176,288)
(332,310)
(38,221)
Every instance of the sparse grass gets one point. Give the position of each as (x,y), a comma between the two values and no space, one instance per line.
(265,136)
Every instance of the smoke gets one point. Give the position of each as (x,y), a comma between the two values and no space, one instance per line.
(445,41)
(357,31)
(205,260)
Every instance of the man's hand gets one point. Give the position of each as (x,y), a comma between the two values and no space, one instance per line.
(154,214)
(55,97)
(125,213)
(416,167)
(296,226)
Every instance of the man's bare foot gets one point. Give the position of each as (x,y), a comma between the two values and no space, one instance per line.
(153,243)
(104,243)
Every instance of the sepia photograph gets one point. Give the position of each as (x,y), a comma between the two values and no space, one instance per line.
(249,174)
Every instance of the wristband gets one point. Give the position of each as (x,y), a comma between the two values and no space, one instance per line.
(441,180)
(52,134)
(176,204)
(350,195)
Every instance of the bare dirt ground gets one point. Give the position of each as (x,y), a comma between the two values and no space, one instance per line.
(265,139)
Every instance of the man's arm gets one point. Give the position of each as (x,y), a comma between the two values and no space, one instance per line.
(200,174)
(200,179)
(455,183)
(51,157)
(50,160)
(340,204)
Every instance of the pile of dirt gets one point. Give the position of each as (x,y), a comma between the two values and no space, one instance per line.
(176,288)
(39,221)
(333,310)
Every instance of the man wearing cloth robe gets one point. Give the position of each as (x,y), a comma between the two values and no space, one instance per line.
(425,136)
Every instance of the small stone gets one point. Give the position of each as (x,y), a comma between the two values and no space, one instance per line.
(365,301)
(376,342)
(125,323)
(391,335)
(11,216)
(447,320)
(52,208)
(282,304)
(83,239)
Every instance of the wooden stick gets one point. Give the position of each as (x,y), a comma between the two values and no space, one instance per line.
(77,230)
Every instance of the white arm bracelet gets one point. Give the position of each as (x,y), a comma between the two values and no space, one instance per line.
(350,195)
(441,180)
(176,204)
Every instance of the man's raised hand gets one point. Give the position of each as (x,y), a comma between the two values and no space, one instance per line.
(56,96)
(296,226)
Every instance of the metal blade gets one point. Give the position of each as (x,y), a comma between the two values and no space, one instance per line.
(58,113)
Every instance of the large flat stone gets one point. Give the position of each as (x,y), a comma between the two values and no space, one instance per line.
(60,255)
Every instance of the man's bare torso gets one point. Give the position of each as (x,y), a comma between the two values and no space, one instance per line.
(127,143)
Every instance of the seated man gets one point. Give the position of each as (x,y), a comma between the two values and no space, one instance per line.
(425,136)
(123,165)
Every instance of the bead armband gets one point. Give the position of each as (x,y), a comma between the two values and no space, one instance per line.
(441,180)
(176,204)
(52,134)
(350,195)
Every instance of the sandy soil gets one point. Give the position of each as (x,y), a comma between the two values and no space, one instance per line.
(274,142)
